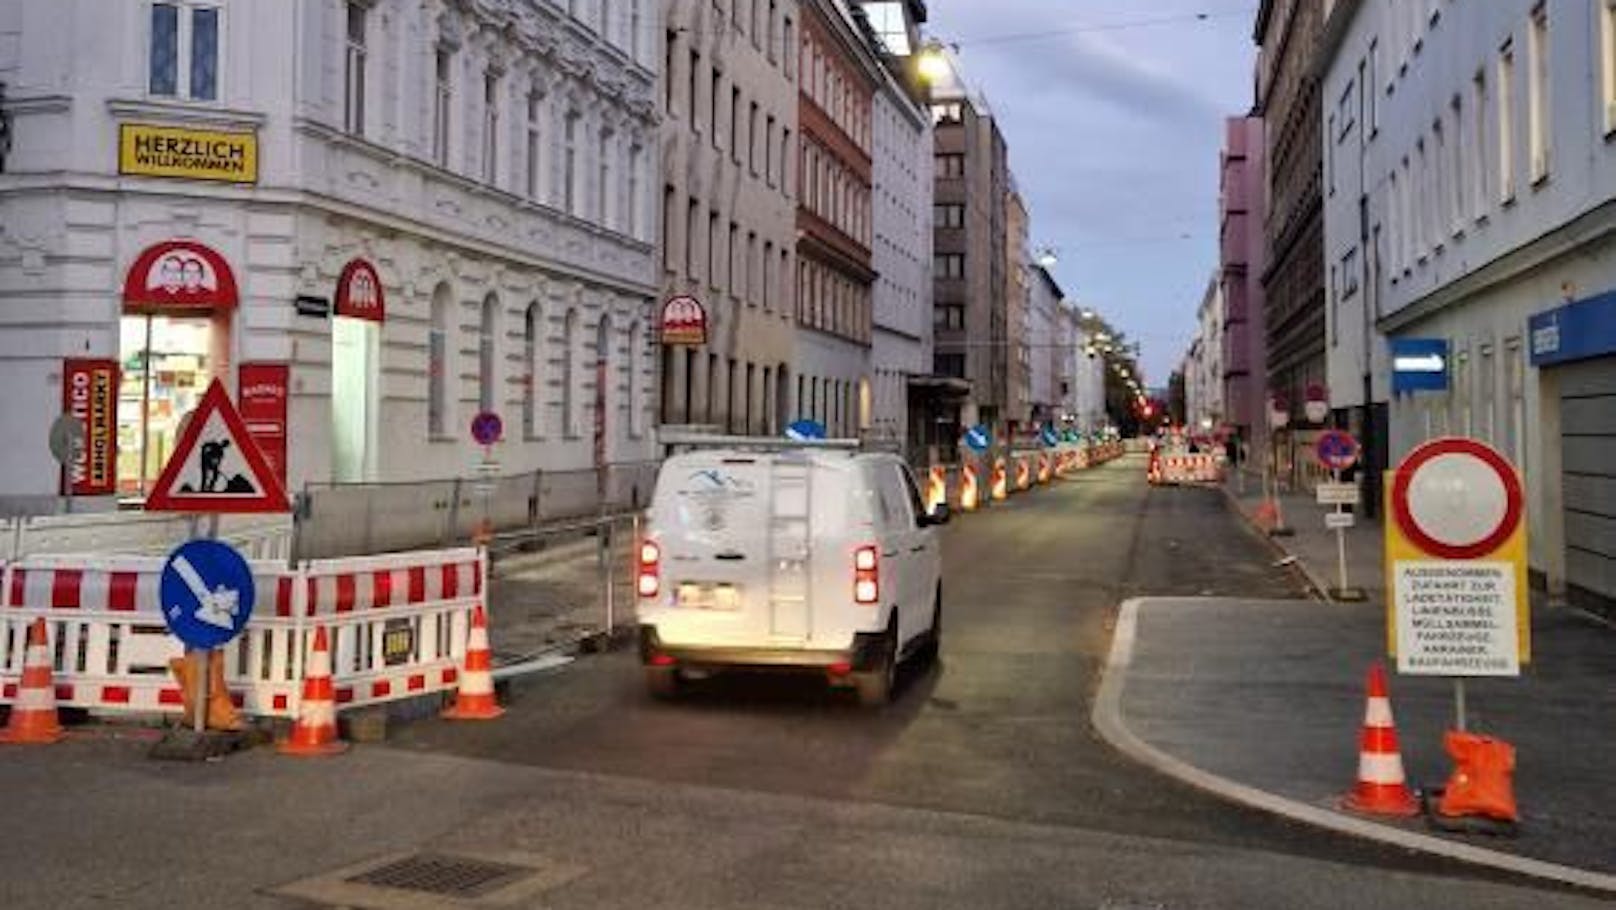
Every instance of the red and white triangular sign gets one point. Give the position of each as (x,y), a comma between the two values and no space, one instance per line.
(216,466)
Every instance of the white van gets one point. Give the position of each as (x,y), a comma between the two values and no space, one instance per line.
(779,554)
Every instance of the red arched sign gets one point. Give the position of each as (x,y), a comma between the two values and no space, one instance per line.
(1404,514)
(179,276)
(684,322)
(359,292)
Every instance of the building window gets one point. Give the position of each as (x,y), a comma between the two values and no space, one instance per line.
(1458,184)
(750,267)
(535,137)
(693,91)
(765,267)
(569,378)
(949,112)
(788,51)
(948,265)
(491,128)
(571,175)
(714,247)
(437,363)
(774,18)
(488,355)
(636,208)
(669,260)
(1538,94)
(532,364)
(353,119)
(785,162)
(1608,45)
(948,215)
(950,166)
(670,42)
(603,177)
(768,150)
(735,123)
(636,22)
(1371,88)
(692,241)
(751,138)
(183,33)
(713,107)
(949,316)
(1506,122)
(734,251)
(442,101)
(1478,141)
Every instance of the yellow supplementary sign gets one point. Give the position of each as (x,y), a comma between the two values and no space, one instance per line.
(1456,617)
(171,151)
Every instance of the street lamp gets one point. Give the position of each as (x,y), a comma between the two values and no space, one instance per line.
(1047,258)
(934,66)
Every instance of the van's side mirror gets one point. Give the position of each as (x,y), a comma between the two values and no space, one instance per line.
(940,515)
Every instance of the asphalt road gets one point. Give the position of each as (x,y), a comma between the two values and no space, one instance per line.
(982,787)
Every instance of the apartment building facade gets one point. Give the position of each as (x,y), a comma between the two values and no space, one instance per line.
(380,217)
(730,153)
(1484,223)
(839,76)
(1241,207)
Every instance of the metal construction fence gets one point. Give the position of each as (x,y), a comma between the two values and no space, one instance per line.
(334,520)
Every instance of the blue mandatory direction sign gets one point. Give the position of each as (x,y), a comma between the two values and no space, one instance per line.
(207,593)
(1050,436)
(978,439)
(805,430)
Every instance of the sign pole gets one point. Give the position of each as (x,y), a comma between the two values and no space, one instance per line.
(1340,544)
(1459,715)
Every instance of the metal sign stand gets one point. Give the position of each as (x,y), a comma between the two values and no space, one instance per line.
(1340,546)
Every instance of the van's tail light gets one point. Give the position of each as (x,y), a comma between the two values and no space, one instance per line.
(866,575)
(648,574)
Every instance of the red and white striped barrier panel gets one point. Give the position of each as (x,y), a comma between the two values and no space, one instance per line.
(1023,473)
(399,623)
(1181,469)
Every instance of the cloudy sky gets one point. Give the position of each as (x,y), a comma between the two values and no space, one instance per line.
(1113,111)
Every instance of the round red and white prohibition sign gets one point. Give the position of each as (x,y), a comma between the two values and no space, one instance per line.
(1457,498)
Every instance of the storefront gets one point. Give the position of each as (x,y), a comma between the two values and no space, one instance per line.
(174,335)
(356,329)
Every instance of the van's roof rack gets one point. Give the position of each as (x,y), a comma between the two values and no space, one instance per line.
(698,437)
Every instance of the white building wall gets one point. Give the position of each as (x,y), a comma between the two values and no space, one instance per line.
(70,225)
(901,255)
(1486,147)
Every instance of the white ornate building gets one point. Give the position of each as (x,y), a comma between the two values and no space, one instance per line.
(398,212)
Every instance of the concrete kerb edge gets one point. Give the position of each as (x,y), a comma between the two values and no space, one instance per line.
(1321,590)
(1113,728)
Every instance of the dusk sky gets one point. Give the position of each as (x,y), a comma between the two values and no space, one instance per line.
(1113,111)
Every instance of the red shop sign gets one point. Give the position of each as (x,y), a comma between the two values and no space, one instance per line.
(90,394)
(263,409)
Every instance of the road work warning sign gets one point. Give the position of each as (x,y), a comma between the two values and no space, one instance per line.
(1457,619)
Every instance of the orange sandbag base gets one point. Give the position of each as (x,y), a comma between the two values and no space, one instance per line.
(1480,796)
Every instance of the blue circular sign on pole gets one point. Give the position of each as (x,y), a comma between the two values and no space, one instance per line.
(207,593)
(1050,436)
(487,428)
(978,439)
(1336,450)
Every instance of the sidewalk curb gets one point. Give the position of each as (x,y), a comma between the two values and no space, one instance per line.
(1320,589)
(1109,723)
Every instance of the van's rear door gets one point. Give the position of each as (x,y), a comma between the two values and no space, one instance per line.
(713,522)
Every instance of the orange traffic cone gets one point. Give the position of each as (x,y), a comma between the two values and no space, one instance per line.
(315,733)
(1481,784)
(475,700)
(1381,788)
(33,713)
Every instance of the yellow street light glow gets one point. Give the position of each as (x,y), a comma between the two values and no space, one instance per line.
(933,65)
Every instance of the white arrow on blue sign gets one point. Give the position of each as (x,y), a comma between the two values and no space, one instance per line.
(207,593)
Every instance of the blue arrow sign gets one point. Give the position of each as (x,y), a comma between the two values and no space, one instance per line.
(978,439)
(207,593)
(1050,436)
(805,430)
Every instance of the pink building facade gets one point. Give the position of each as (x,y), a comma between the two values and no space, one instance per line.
(1241,210)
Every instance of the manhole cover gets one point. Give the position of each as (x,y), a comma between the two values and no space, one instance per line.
(449,876)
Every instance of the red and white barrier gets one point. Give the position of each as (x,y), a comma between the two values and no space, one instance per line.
(113,647)
(1183,469)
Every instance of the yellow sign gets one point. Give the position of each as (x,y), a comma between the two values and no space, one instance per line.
(1455,609)
(171,151)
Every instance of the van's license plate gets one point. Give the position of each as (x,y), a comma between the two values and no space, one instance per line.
(709,597)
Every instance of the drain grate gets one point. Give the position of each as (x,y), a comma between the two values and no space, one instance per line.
(446,876)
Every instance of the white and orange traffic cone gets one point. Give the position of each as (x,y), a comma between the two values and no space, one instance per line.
(475,699)
(1381,787)
(315,732)
(33,713)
